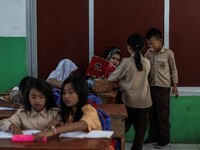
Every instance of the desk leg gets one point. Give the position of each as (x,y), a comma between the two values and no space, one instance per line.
(122,141)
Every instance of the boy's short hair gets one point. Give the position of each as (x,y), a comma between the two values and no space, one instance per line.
(153,32)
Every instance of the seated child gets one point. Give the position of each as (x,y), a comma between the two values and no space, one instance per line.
(38,112)
(113,55)
(65,68)
(19,95)
(15,96)
(76,113)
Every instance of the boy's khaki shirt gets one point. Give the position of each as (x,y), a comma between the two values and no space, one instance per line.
(163,68)
(136,90)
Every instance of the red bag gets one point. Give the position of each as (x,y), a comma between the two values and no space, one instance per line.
(99,68)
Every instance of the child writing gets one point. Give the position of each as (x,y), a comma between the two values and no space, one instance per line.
(76,113)
(132,74)
(163,75)
(38,112)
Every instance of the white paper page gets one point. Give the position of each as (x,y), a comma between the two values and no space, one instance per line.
(99,134)
(76,134)
(7,108)
(5,135)
(9,135)
(30,132)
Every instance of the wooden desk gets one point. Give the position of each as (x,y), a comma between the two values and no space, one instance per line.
(117,114)
(57,144)
(108,98)
(6,113)
(5,103)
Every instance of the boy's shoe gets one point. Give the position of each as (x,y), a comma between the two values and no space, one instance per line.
(150,142)
(162,145)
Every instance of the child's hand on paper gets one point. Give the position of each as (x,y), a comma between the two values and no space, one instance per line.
(47,133)
(54,123)
(14,129)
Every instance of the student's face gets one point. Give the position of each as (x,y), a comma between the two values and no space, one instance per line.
(70,97)
(155,43)
(115,59)
(37,100)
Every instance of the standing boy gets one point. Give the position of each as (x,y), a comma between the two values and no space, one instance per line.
(162,76)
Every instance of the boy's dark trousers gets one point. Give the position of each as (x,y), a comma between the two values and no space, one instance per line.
(138,118)
(159,129)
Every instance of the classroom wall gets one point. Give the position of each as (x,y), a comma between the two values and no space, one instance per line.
(12,43)
(115,21)
(184,118)
(184,39)
(62,33)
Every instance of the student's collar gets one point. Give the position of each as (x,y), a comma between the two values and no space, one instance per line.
(34,113)
(162,50)
(133,54)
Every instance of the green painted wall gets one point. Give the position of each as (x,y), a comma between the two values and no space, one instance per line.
(12,61)
(185,120)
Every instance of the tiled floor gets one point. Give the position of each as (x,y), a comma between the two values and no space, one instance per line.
(171,147)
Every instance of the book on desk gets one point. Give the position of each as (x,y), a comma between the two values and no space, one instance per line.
(76,134)
(91,134)
(7,108)
(9,135)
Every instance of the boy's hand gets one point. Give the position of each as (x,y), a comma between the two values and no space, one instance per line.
(14,129)
(175,90)
(151,50)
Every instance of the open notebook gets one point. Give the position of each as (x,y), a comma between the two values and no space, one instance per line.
(91,134)
(77,134)
(7,108)
(9,135)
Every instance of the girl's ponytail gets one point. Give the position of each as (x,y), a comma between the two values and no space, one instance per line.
(138,59)
(136,42)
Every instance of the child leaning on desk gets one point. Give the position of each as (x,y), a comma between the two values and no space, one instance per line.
(76,113)
(132,74)
(38,112)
